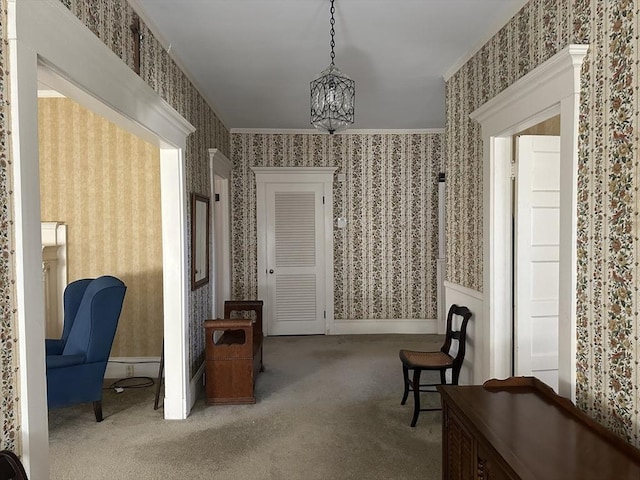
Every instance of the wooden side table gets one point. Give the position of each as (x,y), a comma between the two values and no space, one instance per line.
(233,353)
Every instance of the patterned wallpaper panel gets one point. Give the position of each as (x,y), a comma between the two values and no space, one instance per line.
(608,371)
(104,183)
(384,259)
(9,394)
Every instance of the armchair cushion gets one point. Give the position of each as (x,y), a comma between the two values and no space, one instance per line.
(59,361)
(53,346)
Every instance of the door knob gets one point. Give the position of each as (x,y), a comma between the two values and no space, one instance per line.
(271,271)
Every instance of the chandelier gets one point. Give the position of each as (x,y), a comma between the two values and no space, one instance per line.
(333,94)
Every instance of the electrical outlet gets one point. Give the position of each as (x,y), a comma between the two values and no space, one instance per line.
(129,370)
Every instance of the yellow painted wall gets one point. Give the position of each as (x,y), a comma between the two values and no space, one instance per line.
(104,183)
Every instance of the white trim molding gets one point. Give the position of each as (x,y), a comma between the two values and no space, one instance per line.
(469,292)
(220,164)
(552,88)
(197,382)
(307,174)
(400,326)
(151,25)
(54,241)
(141,367)
(355,131)
(220,179)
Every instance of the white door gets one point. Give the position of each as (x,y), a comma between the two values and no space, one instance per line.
(536,257)
(221,245)
(295,258)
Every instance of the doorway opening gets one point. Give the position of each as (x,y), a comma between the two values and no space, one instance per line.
(535,242)
(220,168)
(102,184)
(49,43)
(551,89)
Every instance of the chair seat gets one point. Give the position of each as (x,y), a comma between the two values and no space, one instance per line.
(426,360)
(59,361)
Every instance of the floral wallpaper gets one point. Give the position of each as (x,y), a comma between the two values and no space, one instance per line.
(608,371)
(9,404)
(384,260)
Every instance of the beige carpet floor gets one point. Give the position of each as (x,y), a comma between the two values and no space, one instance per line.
(328,407)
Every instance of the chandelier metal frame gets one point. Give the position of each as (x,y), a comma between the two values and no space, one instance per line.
(332,93)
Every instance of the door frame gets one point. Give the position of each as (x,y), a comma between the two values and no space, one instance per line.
(47,40)
(220,168)
(550,89)
(323,175)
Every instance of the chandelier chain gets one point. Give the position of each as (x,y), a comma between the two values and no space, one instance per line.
(333,32)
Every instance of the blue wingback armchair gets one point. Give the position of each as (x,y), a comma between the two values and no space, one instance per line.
(77,361)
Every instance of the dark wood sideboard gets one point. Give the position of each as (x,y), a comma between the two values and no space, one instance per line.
(520,429)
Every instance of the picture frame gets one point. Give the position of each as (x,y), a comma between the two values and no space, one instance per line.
(200,239)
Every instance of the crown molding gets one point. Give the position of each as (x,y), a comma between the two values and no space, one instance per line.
(135,5)
(313,131)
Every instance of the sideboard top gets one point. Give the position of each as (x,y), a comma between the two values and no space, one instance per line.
(540,434)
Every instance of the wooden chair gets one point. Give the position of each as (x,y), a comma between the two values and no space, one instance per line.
(11,467)
(440,361)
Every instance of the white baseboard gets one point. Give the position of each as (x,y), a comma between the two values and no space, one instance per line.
(141,367)
(195,386)
(350,327)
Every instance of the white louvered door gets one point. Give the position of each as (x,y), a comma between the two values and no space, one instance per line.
(295,262)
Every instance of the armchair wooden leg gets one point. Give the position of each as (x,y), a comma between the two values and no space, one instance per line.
(405,376)
(97,409)
(416,395)
(156,402)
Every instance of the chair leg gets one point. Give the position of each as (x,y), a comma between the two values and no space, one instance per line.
(156,401)
(455,375)
(416,396)
(405,375)
(443,377)
(97,409)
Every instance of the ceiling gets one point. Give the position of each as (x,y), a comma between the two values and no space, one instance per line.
(253,59)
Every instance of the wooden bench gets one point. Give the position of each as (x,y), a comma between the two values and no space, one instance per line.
(233,353)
